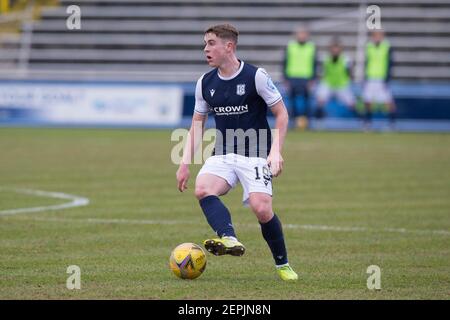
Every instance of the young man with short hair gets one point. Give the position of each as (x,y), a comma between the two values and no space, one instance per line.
(239,95)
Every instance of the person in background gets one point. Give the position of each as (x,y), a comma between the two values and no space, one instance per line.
(335,80)
(299,71)
(378,66)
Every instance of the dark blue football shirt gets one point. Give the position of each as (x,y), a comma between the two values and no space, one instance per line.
(239,104)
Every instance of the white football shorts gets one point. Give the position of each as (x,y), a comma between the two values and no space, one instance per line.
(252,172)
(376,91)
(344,95)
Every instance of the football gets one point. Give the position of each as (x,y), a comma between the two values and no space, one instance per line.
(187,261)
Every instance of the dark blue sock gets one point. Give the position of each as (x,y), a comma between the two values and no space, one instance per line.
(273,234)
(368,116)
(218,216)
(392,117)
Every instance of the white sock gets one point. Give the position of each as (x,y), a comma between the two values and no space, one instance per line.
(231,238)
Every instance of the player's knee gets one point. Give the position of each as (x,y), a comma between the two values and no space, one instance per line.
(201,192)
(263,211)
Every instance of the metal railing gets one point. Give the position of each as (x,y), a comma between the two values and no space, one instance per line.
(358,19)
(24,17)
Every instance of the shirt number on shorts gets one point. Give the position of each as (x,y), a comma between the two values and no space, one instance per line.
(267,175)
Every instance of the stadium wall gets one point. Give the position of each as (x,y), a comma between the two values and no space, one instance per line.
(150,104)
(414,101)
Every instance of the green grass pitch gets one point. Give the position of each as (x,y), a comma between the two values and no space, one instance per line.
(347,200)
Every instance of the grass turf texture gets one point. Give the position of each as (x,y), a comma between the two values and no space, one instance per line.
(371,181)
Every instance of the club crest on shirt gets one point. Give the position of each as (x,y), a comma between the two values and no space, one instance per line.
(240,89)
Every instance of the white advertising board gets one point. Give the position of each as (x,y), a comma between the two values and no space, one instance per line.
(88,103)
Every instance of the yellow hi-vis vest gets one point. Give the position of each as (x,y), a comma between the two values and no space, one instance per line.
(377,60)
(335,74)
(300,60)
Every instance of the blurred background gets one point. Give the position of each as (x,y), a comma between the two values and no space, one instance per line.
(135,62)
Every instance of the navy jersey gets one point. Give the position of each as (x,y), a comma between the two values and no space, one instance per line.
(239,104)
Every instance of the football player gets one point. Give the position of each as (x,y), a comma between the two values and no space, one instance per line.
(238,95)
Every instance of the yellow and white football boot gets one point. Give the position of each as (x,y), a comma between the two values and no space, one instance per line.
(224,245)
(286,273)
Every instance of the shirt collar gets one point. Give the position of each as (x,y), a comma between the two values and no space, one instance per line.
(234,75)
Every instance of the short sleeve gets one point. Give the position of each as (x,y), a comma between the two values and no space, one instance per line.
(265,88)
(201,106)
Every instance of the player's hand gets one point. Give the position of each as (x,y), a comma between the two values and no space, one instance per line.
(275,162)
(183,176)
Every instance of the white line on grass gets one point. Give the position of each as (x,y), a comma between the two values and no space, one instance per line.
(286,226)
(363,229)
(76,201)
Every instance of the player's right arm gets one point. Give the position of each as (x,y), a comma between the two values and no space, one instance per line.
(194,137)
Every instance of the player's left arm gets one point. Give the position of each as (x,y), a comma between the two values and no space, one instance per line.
(275,159)
(270,94)
(349,67)
(389,66)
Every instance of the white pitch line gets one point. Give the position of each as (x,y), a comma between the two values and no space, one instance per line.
(109,221)
(286,226)
(76,201)
(363,229)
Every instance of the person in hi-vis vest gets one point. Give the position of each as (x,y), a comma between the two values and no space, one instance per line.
(335,80)
(378,66)
(300,69)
